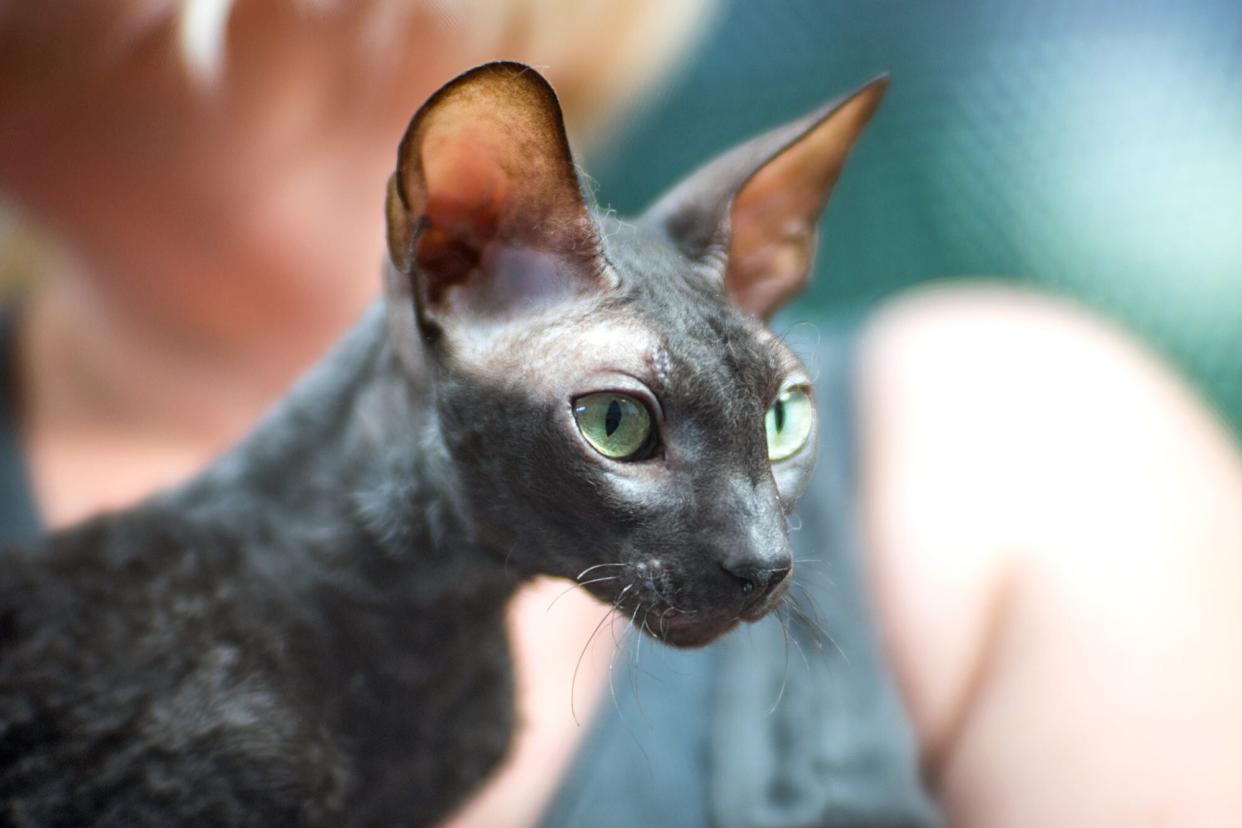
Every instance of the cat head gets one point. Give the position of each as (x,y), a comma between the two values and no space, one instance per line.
(616,410)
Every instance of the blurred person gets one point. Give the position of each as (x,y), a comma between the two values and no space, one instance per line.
(1054,540)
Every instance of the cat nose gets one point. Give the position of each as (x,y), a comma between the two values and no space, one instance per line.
(753,548)
(758,575)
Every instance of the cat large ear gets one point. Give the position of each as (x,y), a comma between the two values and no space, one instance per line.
(754,209)
(485,212)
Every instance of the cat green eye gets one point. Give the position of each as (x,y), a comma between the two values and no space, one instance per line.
(616,425)
(789,421)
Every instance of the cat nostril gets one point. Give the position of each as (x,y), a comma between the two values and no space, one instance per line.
(754,583)
(744,579)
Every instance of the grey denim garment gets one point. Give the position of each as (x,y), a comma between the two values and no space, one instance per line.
(761,731)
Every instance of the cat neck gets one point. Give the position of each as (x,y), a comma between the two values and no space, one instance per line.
(337,530)
(348,477)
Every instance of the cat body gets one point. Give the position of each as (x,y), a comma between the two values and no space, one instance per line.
(311,631)
(250,648)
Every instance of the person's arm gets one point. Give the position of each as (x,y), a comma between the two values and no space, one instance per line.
(1056,527)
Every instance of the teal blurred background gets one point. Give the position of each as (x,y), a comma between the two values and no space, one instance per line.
(1091,149)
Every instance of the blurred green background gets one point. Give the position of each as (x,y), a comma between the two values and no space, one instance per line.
(1092,149)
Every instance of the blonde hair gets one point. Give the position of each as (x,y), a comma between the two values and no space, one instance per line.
(601,55)
(604,51)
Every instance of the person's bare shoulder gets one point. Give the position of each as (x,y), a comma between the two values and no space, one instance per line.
(1056,556)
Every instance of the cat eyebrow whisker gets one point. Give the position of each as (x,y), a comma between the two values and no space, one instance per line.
(810,345)
(572,587)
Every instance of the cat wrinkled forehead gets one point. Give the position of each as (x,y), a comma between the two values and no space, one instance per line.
(666,323)
(685,301)
(583,336)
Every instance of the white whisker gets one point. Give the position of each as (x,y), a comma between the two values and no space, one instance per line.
(578,577)
(572,587)
(573,682)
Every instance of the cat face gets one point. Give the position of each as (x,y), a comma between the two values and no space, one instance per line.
(623,438)
(616,409)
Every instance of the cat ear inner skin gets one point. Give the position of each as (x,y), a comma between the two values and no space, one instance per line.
(754,210)
(485,212)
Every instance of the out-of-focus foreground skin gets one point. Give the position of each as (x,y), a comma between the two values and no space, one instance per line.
(1056,554)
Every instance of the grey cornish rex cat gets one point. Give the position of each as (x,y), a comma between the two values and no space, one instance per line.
(311,632)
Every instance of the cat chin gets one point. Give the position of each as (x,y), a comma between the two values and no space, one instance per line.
(769,603)
(689,636)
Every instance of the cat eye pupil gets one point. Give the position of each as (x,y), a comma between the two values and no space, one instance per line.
(779,410)
(613,419)
(617,426)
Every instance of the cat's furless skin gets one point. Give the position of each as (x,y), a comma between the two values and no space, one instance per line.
(310,632)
